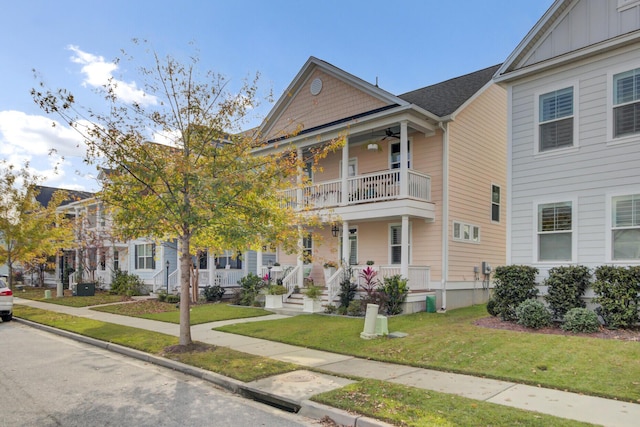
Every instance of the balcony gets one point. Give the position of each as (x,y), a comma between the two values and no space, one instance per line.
(383,186)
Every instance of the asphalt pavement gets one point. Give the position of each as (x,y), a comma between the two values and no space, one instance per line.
(292,390)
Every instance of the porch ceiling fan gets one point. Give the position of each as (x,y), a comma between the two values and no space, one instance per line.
(388,133)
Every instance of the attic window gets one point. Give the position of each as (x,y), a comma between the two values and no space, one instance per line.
(627,4)
(316,86)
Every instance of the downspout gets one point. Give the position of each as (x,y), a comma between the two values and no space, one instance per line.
(445,212)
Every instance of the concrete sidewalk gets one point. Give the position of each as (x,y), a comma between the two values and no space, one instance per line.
(590,409)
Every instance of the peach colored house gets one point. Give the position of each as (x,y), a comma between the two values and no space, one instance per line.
(418,188)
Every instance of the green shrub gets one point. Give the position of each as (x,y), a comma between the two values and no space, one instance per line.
(213,293)
(395,291)
(173,298)
(533,314)
(581,320)
(355,308)
(566,287)
(491,307)
(162,295)
(126,284)
(250,287)
(513,285)
(347,287)
(330,309)
(618,293)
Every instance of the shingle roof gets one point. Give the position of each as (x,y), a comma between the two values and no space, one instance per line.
(46,193)
(446,97)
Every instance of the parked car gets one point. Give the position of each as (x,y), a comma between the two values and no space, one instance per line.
(6,301)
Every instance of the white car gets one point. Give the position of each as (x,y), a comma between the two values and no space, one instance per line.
(6,301)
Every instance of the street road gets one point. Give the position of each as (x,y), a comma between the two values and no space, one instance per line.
(46,380)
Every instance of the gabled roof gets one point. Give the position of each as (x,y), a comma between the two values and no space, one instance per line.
(306,71)
(46,193)
(443,99)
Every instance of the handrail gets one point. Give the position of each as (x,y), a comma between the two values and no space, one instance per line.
(333,284)
(290,281)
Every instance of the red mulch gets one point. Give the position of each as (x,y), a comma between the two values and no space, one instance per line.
(603,333)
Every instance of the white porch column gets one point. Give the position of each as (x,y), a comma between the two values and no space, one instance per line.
(345,173)
(259,262)
(404,251)
(404,159)
(300,263)
(346,247)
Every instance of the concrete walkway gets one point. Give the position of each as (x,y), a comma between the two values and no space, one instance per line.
(574,406)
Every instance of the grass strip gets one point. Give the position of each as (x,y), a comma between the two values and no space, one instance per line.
(222,360)
(409,406)
(451,342)
(167,312)
(37,294)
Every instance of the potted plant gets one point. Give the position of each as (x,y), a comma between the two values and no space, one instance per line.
(311,299)
(329,270)
(273,297)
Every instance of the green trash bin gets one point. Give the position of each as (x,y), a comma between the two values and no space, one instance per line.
(431,303)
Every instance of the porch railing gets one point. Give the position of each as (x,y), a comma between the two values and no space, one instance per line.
(290,281)
(333,284)
(372,187)
(419,276)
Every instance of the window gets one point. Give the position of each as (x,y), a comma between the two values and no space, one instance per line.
(626,227)
(626,103)
(394,153)
(556,119)
(307,249)
(116,261)
(145,256)
(92,212)
(395,243)
(203,260)
(555,232)
(103,259)
(466,232)
(495,203)
(352,167)
(353,246)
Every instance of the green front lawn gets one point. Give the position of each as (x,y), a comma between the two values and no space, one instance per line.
(451,342)
(37,294)
(222,360)
(166,312)
(410,406)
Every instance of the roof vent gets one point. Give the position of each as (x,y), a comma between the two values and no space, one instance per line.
(316,86)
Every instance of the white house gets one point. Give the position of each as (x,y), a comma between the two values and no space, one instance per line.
(573,89)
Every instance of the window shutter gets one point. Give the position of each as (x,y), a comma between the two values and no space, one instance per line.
(153,256)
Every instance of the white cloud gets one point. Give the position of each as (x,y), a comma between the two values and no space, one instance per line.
(51,148)
(97,73)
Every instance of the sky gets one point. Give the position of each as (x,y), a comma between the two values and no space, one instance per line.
(402,44)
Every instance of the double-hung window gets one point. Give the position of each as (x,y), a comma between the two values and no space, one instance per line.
(395,243)
(555,232)
(307,248)
(625,233)
(556,119)
(495,203)
(145,256)
(626,103)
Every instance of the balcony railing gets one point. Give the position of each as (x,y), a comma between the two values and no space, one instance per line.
(373,187)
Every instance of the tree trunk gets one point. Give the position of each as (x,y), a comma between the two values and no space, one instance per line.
(185,297)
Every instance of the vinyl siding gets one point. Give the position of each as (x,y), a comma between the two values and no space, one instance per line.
(335,101)
(589,174)
(477,159)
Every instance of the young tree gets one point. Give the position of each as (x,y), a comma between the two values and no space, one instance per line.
(202,183)
(29,232)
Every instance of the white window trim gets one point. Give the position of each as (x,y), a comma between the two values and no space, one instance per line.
(610,138)
(353,227)
(390,237)
(461,239)
(536,120)
(574,231)
(409,143)
(608,244)
(352,160)
(493,184)
(135,256)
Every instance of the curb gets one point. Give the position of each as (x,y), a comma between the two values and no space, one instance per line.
(305,408)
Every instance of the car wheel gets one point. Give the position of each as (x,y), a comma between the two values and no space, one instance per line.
(7,318)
